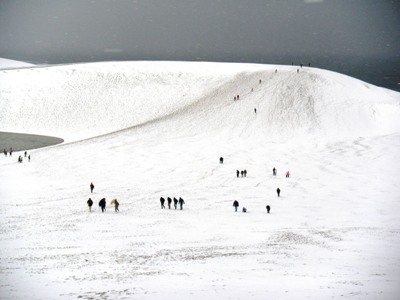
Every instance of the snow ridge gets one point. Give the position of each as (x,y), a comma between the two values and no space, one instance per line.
(81,101)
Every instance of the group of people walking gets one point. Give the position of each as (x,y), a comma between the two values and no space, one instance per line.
(102,202)
(169,201)
(20,158)
(278,190)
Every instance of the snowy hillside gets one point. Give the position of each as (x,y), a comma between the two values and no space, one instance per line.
(144,130)
(13,64)
(82,101)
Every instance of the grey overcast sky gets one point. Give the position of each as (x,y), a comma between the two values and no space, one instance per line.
(327,33)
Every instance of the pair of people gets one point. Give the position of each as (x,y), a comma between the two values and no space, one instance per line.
(236,205)
(242,173)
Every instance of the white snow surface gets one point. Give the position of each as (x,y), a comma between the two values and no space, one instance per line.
(144,130)
(13,64)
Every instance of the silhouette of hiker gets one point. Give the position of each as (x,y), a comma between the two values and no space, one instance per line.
(241,173)
(90,203)
(116,204)
(169,202)
(175,203)
(287,174)
(245,173)
(102,204)
(162,200)
(25,153)
(255,110)
(29,157)
(235,204)
(91,187)
(268,208)
(181,202)
(278,191)
(274,171)
(221,160)
(237,173)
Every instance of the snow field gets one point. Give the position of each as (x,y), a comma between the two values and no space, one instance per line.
(333,233)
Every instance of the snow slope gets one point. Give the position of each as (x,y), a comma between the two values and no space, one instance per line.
(142,130)
(13,64)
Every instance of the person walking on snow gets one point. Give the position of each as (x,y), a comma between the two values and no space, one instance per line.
(90,203)
(169,202)
(91,187)
(181,202)
(268,208)
(162,200)
(235,204)
(116,204)
(175,203)
(287,174)
(102,204)
(278,191)
(274,171)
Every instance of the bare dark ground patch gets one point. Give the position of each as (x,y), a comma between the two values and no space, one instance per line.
(21,141)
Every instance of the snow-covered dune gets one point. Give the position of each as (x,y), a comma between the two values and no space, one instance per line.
(144,130)
(81,101)
(13,64)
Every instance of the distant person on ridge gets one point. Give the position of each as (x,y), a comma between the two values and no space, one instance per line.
(278,191)
(237,173)
(221,160)
(175,203)
(5,152)
(287,174)
(235,204)
(274,171)
(245,173)
(268,208)
(102,204)
(91,187)
(90,203)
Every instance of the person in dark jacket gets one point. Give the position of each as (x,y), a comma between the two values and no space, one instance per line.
(175,203)
(102,204)
(90,203)
(245,173)
(235,204)
(237,173)
(181,202)
(162,201)
(91,187)
(274,171)
(268,208)
(169,202)
(278,191)
(221,160)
